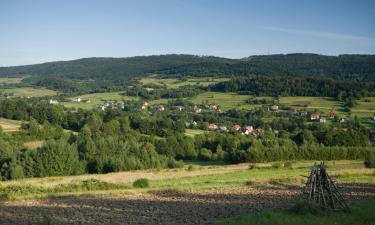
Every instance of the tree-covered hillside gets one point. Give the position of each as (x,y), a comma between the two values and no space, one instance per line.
(360,67)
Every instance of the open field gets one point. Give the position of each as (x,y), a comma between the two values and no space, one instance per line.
(224,100)
(28,91)
(209,192)
(10,125)
(324,104)
(175,83)
(97,98)
(10,80)
(192,133)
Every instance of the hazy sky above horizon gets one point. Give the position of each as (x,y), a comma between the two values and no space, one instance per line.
(47,30)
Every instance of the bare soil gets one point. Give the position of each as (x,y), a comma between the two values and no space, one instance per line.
(163,207)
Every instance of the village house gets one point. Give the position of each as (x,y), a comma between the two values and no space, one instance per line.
(237,127)
(161,108)
(77,100)
(322,120)
(212,126)
(197,109)
(223,128)
(53,102)
(178,107)
(274,107)
(314,116)
(332,114)
(144,105)
(248,130)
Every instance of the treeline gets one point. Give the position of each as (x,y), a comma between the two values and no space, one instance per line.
(296,86)
(344,67)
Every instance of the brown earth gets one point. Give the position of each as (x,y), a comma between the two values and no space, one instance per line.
(163,207)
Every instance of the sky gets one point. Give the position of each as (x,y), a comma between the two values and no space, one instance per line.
(49,30)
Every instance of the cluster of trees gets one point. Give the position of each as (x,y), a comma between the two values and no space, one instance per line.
(270,147)
(297,86)
(118,140)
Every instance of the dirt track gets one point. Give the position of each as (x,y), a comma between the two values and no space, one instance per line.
(168,207)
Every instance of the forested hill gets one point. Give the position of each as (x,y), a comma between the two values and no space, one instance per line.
(360,67)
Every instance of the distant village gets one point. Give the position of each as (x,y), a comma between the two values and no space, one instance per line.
(245,130)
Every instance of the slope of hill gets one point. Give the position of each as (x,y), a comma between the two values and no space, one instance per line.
(339,67)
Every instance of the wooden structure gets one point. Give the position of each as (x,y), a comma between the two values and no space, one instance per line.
(321,191)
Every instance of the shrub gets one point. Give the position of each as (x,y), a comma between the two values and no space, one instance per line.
(288,164)
(250,183)
(252,166)
(277,165)
(172,163)
(141,183)
(370,160)
(190,168)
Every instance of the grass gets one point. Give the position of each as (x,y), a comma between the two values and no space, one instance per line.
(224,100)
(203,176)
(33,144)
(29,92)
(11,80)
(192,133)
(324,104)
(10,125)
(97,98)
(362,213)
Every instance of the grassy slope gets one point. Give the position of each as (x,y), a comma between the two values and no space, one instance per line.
(29,91)
(10,125)
(98,98)
(199,178)
(362,213)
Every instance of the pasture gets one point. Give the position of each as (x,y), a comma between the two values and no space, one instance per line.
(323,104)
(10,125)
(224,100)
(28,92)
(97,98)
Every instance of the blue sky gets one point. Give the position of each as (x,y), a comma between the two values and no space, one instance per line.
(40,30)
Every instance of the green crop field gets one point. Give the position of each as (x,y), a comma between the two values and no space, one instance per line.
(97,98)
(29,91)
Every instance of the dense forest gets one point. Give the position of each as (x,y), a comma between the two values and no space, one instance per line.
(297,86)
(344,67)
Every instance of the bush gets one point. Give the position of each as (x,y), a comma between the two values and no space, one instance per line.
(172,163)
(370,160)
(190,168)
(288,164)
(141,183)
(252,166)
(277,165)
